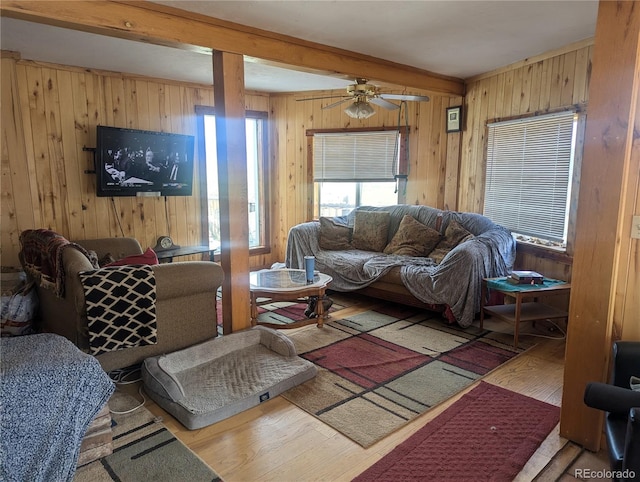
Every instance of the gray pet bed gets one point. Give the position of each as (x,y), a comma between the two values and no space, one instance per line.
(209,382)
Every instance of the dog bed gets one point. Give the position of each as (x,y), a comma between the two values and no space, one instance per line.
(214,380)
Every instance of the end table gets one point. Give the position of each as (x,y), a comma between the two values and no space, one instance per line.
(520,311)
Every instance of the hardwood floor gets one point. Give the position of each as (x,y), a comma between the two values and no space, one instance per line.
(278,441)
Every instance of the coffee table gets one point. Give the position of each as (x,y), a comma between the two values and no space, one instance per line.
(286,285)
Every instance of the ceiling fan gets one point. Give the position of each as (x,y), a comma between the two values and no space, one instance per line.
(363,95)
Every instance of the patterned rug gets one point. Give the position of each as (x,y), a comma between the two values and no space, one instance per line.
(285,312)
(489,434)
(380,369)
(144,451)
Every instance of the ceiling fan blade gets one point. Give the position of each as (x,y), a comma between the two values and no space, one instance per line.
(325,97)
(338,103)
(384,103)
(417,98)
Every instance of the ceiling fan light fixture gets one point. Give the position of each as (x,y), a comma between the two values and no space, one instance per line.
(360,110)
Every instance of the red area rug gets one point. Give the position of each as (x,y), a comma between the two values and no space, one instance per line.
(489,434)
(381,368)
(285,312)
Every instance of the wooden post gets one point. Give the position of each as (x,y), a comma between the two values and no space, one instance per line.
(606,165)
(228,87)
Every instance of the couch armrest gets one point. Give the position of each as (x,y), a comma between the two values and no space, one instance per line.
(75,262)
(610,398)
(174,280)
(303,240)
(626,362)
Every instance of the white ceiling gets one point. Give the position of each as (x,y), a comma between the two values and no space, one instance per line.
(456,38)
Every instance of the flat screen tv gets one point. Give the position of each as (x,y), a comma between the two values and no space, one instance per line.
(132,162)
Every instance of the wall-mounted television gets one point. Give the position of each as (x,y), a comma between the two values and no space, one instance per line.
(131,162)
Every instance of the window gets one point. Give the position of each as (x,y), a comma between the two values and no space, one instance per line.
(529,174)
(356,168)
(256,186)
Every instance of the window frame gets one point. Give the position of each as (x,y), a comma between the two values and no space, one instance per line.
(561,254)
(263,187)
(313,197)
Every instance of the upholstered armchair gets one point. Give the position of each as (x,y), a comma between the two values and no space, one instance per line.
(185,302)
(622,420)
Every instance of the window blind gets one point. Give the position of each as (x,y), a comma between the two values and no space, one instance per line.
(529,168)
(355,156)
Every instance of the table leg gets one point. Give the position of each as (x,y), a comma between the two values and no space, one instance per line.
(320,309)
(517,316)
(254,309)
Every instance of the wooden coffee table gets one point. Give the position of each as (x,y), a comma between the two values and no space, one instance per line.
(286,285)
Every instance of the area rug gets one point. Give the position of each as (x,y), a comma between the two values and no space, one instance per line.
(378,370)
(145,451)
(489,434)
(286,312)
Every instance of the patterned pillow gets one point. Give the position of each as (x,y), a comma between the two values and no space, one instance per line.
(334,236)
(454,235)
(413,238)
(370,230)
(106,260)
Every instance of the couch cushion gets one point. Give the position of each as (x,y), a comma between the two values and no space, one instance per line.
(149,257)
(453,236)
(413,239)
(370,230)
(334,236)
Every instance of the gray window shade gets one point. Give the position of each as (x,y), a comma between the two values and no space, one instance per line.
(355,156)
(529,165)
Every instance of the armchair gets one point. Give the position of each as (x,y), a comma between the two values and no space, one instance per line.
(622,420)
(185,303)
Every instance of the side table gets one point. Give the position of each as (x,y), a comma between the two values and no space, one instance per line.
(523,311)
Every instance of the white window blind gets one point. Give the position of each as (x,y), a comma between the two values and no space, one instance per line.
(529,168)
(355,156)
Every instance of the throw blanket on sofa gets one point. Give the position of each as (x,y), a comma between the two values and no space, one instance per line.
(41,255)
(455,282)
(50,393)
(121,307)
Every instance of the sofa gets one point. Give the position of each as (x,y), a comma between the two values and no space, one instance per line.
(185,305)
(417,255)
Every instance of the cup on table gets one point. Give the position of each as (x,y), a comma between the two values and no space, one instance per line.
(309,267)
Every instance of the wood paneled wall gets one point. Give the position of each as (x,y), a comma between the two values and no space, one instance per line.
(433,156)
(49,113)
(537,85)
(549,83)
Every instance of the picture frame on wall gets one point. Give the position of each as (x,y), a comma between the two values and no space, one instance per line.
(454,119)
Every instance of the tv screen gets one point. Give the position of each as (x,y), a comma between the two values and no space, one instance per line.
(132,162)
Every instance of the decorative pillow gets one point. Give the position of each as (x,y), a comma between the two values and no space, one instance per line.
(634,383)
(413,238)
(454,235)
(106,260)
(334,236)
(370,230)
(93,258)
(148,257)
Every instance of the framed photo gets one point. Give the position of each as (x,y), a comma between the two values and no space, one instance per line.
(454,119)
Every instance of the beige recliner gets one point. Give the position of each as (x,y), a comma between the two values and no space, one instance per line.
(185,302)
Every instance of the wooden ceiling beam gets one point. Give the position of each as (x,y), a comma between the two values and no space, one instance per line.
(158,24)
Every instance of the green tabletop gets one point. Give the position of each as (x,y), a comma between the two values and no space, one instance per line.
(503,285)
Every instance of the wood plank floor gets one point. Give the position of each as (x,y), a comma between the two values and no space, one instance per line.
(278,441)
